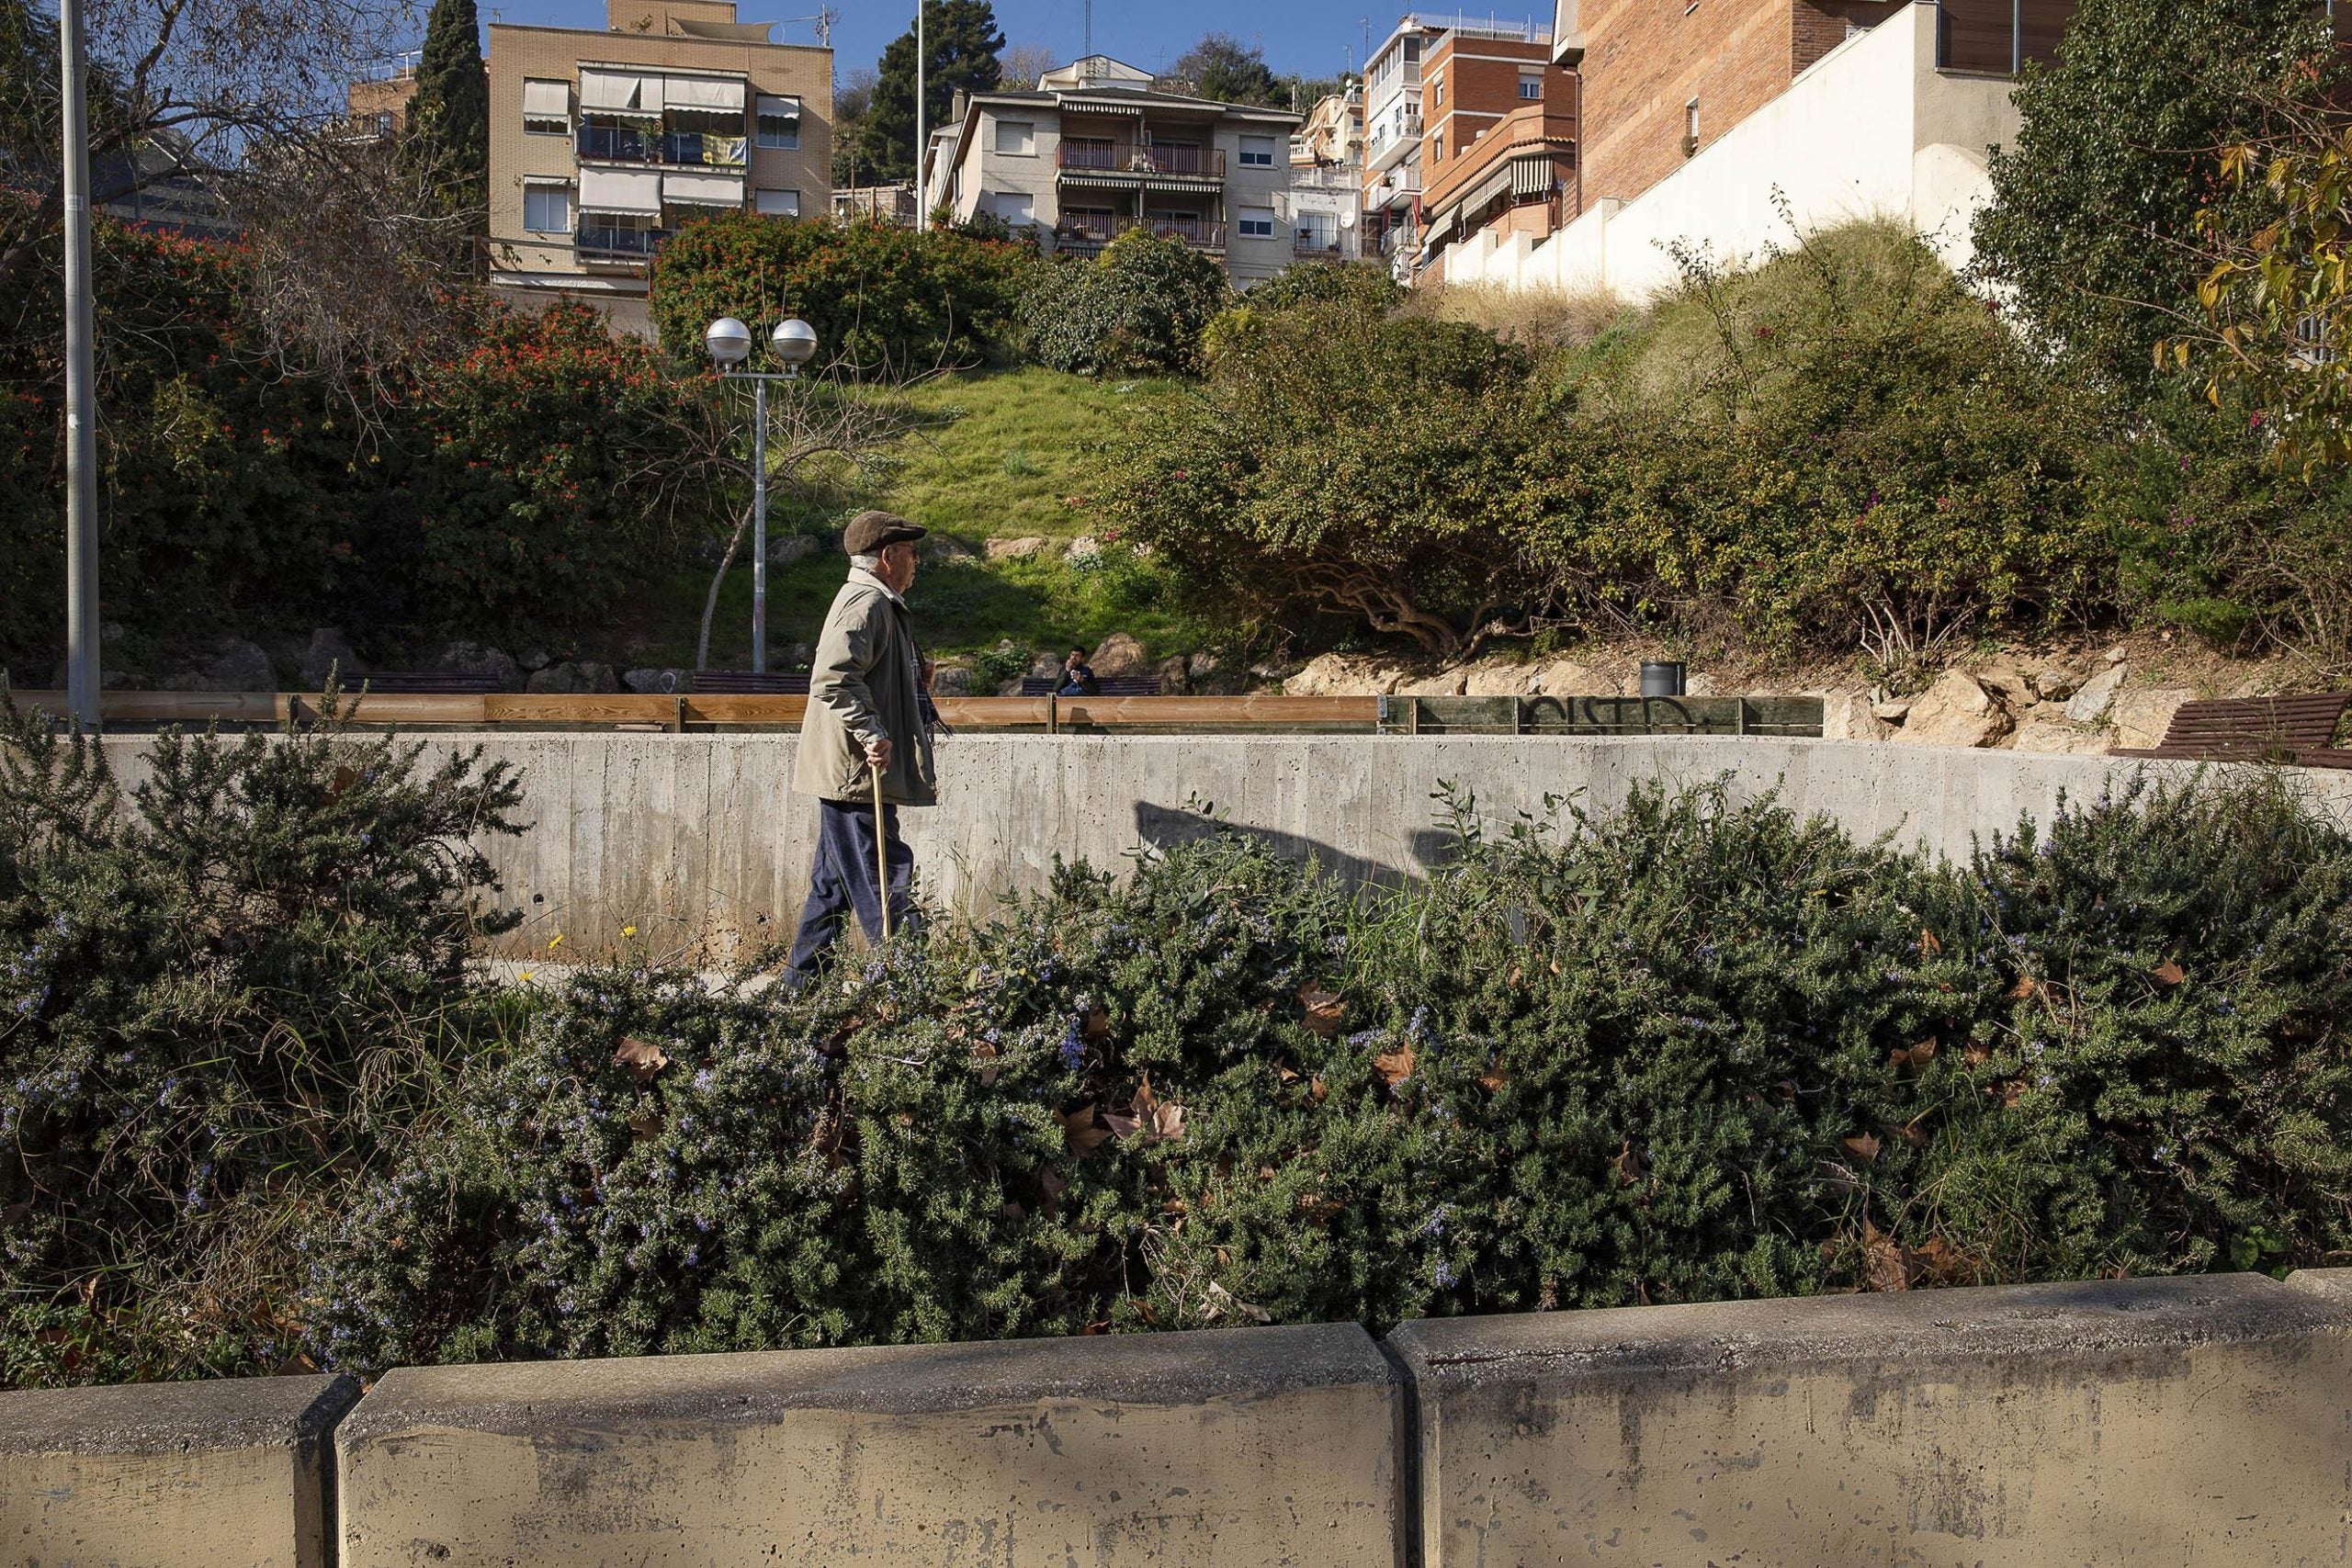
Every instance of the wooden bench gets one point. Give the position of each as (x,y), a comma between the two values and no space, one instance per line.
(422,683)
(1107,686)
(2254,730)
(749,682)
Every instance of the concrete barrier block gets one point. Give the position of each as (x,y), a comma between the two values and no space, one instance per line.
(227,1474)
(2190,1421)
(1267,1446)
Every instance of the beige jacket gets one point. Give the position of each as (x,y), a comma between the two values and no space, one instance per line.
(864,686)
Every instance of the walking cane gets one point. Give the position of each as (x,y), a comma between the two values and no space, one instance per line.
(881,853)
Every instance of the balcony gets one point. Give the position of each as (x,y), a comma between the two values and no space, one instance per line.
(1082,235)
(673,149)
(1307,245)
(1125,158)
(606,245)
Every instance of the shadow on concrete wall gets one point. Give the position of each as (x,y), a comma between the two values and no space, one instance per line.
(1164,827)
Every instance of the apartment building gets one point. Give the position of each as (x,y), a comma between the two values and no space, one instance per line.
(1498,141)
(1708,129)
(602,144)
(1326,178)
(1092,152)
(1398,146)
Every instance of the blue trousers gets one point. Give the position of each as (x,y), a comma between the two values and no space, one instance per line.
(842,879)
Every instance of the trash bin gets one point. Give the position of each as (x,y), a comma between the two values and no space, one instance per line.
(1662,678)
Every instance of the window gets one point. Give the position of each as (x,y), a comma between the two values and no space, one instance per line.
(547,107)
(1437,90)
(1018,210)
(1257,222)
(776,203)
(779,122)
(1437,148)
(547,210)
(1531,85)
(1691,128)
(1257,152)
(1016,137)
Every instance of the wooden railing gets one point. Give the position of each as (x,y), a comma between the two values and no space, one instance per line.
(1557,716)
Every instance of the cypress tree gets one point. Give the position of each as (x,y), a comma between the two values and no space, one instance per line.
(450,122)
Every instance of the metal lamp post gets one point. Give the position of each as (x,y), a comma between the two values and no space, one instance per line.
(794,344)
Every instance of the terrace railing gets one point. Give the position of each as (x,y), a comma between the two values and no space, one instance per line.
(1127,158)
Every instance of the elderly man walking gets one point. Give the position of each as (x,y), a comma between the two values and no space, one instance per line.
(865,716)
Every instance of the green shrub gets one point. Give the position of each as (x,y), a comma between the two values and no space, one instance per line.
(887,302)
(1687,1050)
(219,997)
(1138,309)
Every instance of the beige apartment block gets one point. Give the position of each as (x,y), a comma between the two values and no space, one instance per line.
(602,146)
(1093,152)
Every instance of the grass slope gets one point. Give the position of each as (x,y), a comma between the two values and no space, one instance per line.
(1001,455)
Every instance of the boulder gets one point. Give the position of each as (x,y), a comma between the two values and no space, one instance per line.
(654,680)
(1498,678)
(1893,712)
(950,681)
(1174,676)
(534,659)
(1045,666)
(1121,656)
(1085,548)
(2044,729)
(477,659)
(1955,711)
(574,677)
(2142,717)
(2010,684)
(328,651)
(1567,678)
(1444,684)
(1215,674)
(1340,675)
(1015,549)
(792,549)
(2091,699)
(233,666)
(1849,715)
(2056,685)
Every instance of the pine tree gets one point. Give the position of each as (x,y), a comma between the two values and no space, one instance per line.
(961,38)
(450,122)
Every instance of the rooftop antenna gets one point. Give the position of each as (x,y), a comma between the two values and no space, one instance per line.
(1087,52)
(824,21)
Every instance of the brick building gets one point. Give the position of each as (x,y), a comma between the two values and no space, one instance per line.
(1498,141)
(602,143)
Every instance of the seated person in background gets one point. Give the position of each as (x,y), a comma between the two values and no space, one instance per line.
(1078,677)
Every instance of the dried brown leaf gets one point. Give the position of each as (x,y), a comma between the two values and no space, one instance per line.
(1864,1146)
(2025,989)
(1324,1010)
(644,1125)
(1929,945)
(1628,1163)
(1098,1024)
(2169,973)
(641,1059)
(1394,1067)
(1081,1131)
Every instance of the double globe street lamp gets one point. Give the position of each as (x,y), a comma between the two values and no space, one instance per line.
(794,344)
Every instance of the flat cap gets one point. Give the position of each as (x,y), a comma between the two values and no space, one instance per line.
(869,532)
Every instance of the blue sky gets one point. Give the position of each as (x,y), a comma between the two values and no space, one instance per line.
(1315,38)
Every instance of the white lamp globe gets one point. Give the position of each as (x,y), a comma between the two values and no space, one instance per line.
(730,342)
(795,341)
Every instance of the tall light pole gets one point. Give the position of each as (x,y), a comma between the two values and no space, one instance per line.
(922,128)
(794,344)
(81,401)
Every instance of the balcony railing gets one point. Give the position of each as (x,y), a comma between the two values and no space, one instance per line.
(1305,243)
(686,149)
(1081,232)
(1326,176)
(1113,157)
(601,243)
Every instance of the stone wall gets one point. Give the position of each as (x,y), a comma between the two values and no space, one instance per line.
(697,840)
(2189,1421)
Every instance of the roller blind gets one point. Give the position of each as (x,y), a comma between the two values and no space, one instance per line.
(620,92)
(704,93)
(547,100)
(620,190)
(703,190)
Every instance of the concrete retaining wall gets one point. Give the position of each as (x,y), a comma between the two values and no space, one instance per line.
(1222,1449)
(230,1475)
(696,837)
(2202,1421)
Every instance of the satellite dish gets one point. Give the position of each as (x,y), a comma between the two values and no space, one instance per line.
(1347,217)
